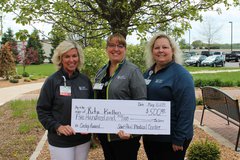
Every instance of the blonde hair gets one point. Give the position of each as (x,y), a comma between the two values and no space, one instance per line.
(62,48)
(177,53)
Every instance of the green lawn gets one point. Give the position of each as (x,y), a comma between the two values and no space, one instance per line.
(42,70)
(45,70)
(193,69)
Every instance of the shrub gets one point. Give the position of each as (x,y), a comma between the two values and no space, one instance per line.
(214,82)
(25,74)
(33,78)
(14,80)
(7,61)
(203,150)
(238,83)
(199,101)
(27,80)
(135,54)
(227,84)
(17,77)
(95,58)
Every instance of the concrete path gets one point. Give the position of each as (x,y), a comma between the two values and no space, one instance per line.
(15,92)
(218,128)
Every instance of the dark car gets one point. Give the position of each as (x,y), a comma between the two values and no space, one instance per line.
(195,60)
(233,56)
(215,60)
(207,53)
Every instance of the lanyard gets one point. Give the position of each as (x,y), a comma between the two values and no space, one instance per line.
(64,80)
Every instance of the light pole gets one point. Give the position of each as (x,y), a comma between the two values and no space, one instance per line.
(231,34)
(189,41)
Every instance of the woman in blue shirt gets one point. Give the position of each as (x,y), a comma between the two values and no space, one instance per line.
(167,80)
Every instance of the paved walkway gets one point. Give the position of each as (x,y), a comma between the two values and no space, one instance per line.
(215,126)
(218,128)
(16,92)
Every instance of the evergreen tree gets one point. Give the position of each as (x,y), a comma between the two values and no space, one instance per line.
(34,44)
(7,61)
(57,36)
(9,37)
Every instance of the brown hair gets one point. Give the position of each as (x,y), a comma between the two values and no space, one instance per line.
(120,37)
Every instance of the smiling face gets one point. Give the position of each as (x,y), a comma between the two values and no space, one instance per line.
(115,50)
(70,60)
(162,51)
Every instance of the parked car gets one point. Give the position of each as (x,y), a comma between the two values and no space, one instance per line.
(207,53)
(187,55)
(195,60)
(215,60)
(233,56)
(192,53)
(222,54)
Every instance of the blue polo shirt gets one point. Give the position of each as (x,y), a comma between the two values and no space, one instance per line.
(175,84)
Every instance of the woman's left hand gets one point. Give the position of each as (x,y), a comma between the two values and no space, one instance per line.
(177,148)
(123,135)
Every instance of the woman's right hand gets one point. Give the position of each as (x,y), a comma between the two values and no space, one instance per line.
(123,135)
(65,130)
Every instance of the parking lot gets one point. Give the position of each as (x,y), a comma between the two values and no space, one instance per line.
(232,64)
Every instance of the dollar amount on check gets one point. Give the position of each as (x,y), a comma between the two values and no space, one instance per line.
(131,116)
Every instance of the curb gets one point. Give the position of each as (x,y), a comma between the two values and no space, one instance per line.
(39,147)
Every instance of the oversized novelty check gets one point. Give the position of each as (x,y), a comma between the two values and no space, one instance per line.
(131,116)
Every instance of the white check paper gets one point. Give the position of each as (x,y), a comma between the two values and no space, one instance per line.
(131,116)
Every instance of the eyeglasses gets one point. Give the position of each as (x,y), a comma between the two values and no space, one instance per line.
(120,46)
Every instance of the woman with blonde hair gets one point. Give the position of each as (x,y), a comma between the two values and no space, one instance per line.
(55,102)
(167,80)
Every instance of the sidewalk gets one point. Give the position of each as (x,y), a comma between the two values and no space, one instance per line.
(16,92)
(218,128)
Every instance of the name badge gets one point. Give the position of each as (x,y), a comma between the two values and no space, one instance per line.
(147,81)
(98,86)
(65,90)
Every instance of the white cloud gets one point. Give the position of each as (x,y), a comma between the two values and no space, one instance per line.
(8,22)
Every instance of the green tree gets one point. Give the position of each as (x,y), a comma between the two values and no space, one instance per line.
(94,59)
(57,35)
(98,18)
(135,54)
(34,44)
(8,36)
(7,61)
(197,44)
(183,44)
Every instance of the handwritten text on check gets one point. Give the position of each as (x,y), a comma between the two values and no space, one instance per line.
(110,116)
